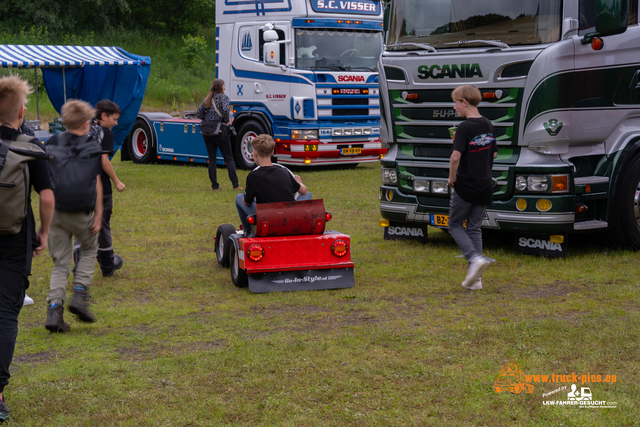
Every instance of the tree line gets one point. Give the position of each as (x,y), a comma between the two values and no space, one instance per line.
(85,16)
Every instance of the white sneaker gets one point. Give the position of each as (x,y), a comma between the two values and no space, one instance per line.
(475,287)
(27,300)
(476,268)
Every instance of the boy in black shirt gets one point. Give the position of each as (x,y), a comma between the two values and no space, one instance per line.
(268,183)
(474,148)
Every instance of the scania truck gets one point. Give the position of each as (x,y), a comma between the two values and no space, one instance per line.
(303,71)
(560,80)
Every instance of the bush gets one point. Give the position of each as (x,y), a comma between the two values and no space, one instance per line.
(193,50)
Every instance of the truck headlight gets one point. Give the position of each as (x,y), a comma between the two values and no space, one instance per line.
(538,183)
(304,134)
(421,186)
(389,177)
(542,183)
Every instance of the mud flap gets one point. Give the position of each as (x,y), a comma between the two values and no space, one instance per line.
(301,280)
(550,245)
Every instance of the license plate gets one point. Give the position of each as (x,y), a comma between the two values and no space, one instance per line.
(440,220)
(350,151)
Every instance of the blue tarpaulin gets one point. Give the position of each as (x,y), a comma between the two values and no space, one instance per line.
(91,73)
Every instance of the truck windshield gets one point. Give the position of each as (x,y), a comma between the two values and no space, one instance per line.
(442,24)
(342,50)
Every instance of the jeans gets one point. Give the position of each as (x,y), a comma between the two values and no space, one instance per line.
(222,142)
(13,283)
(245,211)
(469,241)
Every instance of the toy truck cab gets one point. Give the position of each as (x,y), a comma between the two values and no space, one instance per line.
(288,249)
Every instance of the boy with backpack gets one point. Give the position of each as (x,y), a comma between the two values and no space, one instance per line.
(474,148)
(23,165)
(106,118)
(75,173)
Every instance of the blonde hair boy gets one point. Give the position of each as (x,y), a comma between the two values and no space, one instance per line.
(13,96)
(76,114)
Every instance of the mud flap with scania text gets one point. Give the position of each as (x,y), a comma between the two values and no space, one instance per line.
(555,245)
(405,231)
(301,280)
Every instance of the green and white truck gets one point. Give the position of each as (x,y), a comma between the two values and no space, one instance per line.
(560,81)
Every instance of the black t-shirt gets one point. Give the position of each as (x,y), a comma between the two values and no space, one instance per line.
(39,180)
(476,142)
(270,184)
(105,137)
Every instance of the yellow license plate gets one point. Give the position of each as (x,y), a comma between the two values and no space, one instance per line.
(350,151)
(440,220)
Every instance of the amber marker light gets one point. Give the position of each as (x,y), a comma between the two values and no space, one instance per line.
(255,252)
(412,96)
(340,248)
(307,161)
(581,208)
(489,95)
(597,43)
(521,204)
(560,183)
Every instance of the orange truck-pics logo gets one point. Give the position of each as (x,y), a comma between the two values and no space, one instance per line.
(511,378)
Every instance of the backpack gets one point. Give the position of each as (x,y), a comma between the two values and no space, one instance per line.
(74,170)
(15,186)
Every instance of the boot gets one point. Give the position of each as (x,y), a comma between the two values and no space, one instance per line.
(80,306)
(55,322)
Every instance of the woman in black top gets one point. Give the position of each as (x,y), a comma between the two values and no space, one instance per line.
(216,99)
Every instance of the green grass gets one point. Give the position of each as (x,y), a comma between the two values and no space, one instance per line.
(177,344)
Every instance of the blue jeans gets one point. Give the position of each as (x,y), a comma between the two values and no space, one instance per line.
(469,241)
(244,211)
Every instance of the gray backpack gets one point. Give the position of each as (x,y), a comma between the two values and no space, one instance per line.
(14,180)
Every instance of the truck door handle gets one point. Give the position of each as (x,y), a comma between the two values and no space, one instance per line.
(257,87)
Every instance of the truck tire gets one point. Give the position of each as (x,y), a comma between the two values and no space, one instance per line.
(242,150)
(626,207)
(238,275)
(140,143)
(223,243)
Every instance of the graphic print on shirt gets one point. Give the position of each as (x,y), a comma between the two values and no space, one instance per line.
(481,142)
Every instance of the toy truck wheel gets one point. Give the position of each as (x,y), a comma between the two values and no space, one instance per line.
(242,149)
(140,144)
(238,275)
(223,243)
(626,207)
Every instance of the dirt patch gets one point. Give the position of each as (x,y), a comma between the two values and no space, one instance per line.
(556,289)
(41,357)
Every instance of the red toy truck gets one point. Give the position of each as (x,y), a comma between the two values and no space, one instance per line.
(287,249)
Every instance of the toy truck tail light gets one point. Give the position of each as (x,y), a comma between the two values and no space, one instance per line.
(328,216)
(340,248)
(251,219)
(255,252)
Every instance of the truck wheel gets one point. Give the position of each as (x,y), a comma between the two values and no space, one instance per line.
(238,275)
(223,243)
(140,144)
(626,207)
(242,150)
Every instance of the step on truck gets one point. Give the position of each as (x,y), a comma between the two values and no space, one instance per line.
(560,80)
(305,72)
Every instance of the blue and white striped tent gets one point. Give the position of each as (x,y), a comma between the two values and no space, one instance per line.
(46,56)
(90,73)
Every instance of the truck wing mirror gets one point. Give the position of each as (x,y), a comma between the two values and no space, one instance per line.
(272,53)
(611,18)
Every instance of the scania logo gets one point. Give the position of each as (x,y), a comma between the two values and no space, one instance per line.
(539,244)
(406,231)
(464,71)
(351,79)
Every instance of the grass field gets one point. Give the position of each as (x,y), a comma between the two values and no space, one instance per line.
(176,344)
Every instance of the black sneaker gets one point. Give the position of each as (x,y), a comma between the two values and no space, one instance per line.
(55,322)
(80,306)
(4,409)
(117,265)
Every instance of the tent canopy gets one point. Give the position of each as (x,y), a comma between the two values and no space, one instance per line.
(90,73)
